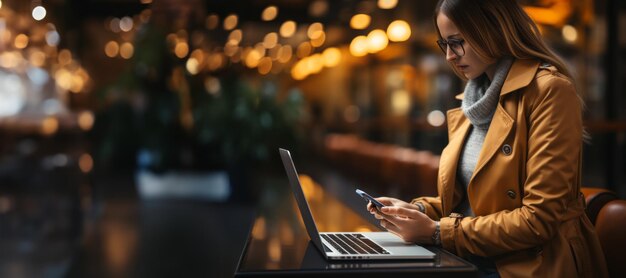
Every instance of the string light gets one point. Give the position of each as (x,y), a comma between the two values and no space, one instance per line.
(288,28)
(399,31)
(269,13)
(376,41)
(360,21)
(39,13)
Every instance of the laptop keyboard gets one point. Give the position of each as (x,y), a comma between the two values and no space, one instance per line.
(353,244)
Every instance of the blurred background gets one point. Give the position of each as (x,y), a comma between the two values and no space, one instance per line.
(139,137)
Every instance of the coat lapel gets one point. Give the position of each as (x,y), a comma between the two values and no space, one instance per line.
(458,126)
(520,75)
(501,126)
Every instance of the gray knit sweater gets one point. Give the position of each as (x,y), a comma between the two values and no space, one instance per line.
(479,103)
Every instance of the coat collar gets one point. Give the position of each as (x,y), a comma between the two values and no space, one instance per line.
(520,75)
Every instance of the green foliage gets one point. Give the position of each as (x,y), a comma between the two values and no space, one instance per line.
(172,122)
(246,124)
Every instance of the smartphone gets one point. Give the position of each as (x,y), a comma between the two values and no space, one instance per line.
(371,199)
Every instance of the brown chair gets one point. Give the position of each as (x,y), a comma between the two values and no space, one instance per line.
(596,198)
(611,229)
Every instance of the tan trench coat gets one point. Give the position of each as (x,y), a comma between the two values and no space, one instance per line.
(525,190)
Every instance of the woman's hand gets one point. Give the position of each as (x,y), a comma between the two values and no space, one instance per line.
(390,202)
(405,220)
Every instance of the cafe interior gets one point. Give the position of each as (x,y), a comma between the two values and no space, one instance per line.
(139,138)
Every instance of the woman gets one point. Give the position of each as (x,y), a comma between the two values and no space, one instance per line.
(509,180)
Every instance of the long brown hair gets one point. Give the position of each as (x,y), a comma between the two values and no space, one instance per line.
(498,28)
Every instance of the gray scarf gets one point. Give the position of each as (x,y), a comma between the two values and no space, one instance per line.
(480,97)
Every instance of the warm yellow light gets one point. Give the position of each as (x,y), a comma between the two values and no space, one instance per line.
(21,41)
(319,40)
(269,13)
(287,29)
(315,30)
(78,83)
(85,120)
(38,58)
(259,47)
(0,3)
(274,249)
(258,230)
(360,21)
(570,34)
(285,54)
(235,37)
(198,54)
(230,22)
(230,49)
(181,50)
(65,57)
(146,1)
(83,74)
(265,65)
(387,4)
(270,40)
(399,31)
(304,49)
(358,46)
(192,66)
(212,21)
(376,41)
(331,57)
(85,163)
(5,36)
(252,60)
(216,61)
(127,50)
(315,63)
(63,79)
(111,49)
(298,72)
(49,126)
(400,102)
(556,14)
(10,59)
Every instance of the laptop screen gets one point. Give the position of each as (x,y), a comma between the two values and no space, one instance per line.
(303,206)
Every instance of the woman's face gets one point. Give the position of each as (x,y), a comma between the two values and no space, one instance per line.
(469,64)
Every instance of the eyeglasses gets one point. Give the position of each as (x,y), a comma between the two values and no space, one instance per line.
(455,45)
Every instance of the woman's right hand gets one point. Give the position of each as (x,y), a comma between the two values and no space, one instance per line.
(387,201)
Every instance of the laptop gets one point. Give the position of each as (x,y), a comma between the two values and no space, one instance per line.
(349,245)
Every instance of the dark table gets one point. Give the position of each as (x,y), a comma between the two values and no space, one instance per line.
(278,244)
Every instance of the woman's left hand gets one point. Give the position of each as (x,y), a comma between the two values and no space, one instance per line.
(409,224)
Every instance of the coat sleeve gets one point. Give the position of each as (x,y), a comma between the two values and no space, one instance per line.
(432,206)
(554,147)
